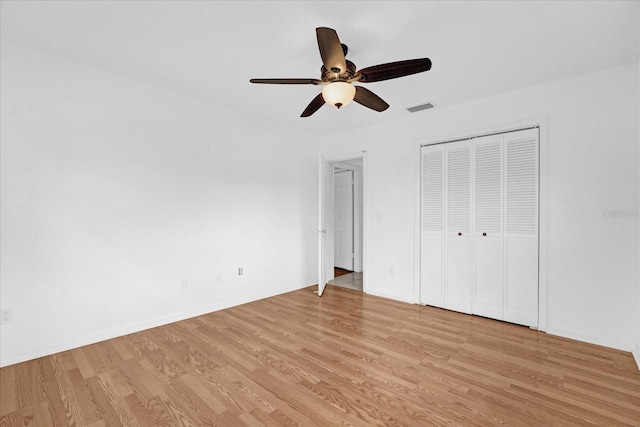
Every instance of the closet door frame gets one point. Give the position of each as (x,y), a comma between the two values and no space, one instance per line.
(542,123)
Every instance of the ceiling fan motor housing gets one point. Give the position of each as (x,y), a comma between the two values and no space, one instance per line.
(330,76)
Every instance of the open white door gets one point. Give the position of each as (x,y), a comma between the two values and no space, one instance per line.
(325,184)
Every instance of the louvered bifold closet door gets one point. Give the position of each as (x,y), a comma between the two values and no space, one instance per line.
(432,226)
(521,223)
(488,268)
(457,277)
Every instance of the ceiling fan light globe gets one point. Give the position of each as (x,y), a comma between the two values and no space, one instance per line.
(338,94)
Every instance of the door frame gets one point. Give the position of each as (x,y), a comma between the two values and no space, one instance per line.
(542,123)
(323,258)
(323,176)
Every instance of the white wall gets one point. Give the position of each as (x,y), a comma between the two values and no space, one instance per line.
(636,353)
(116,195)
(592,166)
(637,350)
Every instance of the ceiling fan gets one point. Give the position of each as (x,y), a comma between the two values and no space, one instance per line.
(337,74)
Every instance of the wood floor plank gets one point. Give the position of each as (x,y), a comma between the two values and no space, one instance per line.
(123,348)
(83,364)
(345,359)
(290,409)
(105,405)
(9,400)
(81,403)
(151,412)
(199,386)
(184,411)
(58,393)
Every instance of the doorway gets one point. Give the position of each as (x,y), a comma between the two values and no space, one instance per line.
(347,222)
(342,223)
(343,219)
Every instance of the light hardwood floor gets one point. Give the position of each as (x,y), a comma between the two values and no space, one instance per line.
(344,359)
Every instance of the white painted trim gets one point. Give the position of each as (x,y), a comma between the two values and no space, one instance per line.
(346,156)
(543,222)
(417,234)
(330,208)
(365,221)
(358,217)
(618,345)
(542,123)
(392,297)
(636,355)
(322,229)
(118,332)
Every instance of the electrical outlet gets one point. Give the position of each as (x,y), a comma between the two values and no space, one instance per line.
(219,279)
(5,315)
(240,271)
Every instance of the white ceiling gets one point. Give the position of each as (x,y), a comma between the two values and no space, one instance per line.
(210,49)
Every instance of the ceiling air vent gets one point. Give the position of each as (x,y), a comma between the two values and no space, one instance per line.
(425,106)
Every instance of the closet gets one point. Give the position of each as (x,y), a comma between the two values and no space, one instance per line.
(479,226)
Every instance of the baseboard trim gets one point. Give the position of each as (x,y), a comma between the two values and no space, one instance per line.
(636,355)
(407,299)
(114,333)
(591,339)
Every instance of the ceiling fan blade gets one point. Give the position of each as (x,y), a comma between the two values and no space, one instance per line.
(331,50)
(287,81)
(369,99)
(313,106)
(393,70)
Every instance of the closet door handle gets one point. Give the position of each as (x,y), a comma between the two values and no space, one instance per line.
(459,234)
(484,234)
